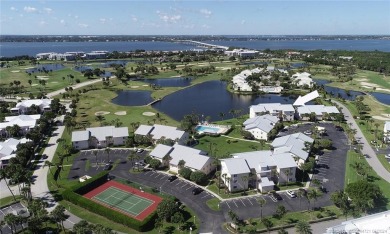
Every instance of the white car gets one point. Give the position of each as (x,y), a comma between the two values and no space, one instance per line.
(387,156)
(291,193)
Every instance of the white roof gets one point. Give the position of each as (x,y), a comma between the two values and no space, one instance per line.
(236,166)
(158,131)
(9,146)
(301,101)
(272,107)
(101,133)
(317,109)
(193,158)
(293,143)
(38,102)
(257,159)
(387,126)
(24,121)
(143,130)
(264,122)
(284,160)
(160,151)
(265,182)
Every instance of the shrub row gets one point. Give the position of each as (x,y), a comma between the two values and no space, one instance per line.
(145,225)
(90,184)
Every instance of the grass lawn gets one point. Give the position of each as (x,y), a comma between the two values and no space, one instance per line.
(9,200)
(351,176)
(221,148)
(213,203)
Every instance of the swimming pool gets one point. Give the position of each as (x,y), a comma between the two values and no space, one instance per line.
(212,129)
(206,129)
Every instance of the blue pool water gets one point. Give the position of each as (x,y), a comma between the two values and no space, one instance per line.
(206,129)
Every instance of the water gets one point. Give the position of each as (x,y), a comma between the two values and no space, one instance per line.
(210,99)
(169,82)
(9,49)
(361,45)
(337,92)
(132,98)
(382,97)
(119,62)
(47,67)
(206,129)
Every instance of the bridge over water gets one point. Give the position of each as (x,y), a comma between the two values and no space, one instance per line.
(202,44)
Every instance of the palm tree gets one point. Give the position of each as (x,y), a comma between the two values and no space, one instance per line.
(11,220)
(107,150)
(167,159)
(221,114)
(48,164)
(287,173)
(218,175)
(261,202)
(95,152)
(313,195)
(59,216)
(4,176)
(301,193)
(244,181)
(303,227)
(181,164)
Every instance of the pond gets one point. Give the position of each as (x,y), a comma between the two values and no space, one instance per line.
(382,97)
(169,82)
(133,98)
(210,99)
(46,67)
(337,92)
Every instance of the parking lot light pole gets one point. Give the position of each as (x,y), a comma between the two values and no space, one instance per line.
(160,189)
(190,230)
(194,219)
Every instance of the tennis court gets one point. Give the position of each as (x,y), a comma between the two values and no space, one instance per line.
(130,201)
(124,201)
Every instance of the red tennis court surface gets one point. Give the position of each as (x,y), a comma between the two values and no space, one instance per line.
(125,199)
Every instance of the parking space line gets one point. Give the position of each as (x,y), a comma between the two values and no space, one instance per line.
(287,196)
(227,203)
(235,203)
(185,184)
(163,177)
(205,195)
(157,175)
(189,187)
(242,202)
(250,201)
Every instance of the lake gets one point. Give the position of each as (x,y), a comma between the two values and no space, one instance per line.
(211,98)
(169,82)
(132,98)
(48,67)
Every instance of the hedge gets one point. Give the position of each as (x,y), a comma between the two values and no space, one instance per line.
(74,195)
(145,225)
(90,184)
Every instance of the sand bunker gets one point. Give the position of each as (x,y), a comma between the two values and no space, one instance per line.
(120,113)
(15,71)
(134,87)
(102,113)
(28,68)
(175,76)
(223,68)
(380,117)
(42,77)
(145,85)
(149,113)
(34,84)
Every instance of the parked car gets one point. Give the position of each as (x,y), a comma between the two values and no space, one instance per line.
(387,156)
(339,128)
(107,167)
(275,196)
(196,191)
(291,193)
(172,178)
(140,150)
(44,156)
(307,132)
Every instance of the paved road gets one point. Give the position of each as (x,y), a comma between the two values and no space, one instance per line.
(4,191)
(39,188)
(372,160)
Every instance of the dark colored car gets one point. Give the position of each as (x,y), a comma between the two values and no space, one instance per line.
(338,128)
(276,196)
(107,167)
(196,191)
(172,178)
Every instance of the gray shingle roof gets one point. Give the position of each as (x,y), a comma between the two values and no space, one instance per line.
(257,159)
(293,143)
(144,130)
(236,166)
(284,160)
(194,158)
(264,122)
(160,151)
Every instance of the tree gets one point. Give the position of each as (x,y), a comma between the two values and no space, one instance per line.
(267,223)
(280,211)
(233,216)
(282,231)
(48,164)
(166,209)
(181,164)
(313,194)
(11,220)
(108,150)
(177,218)
(340,199)
(303,227)
(95,152)
(198,177)
(59,216)
(4,176)
(261,202)
(364,195)
(185,172)
(82,227)
(155,163)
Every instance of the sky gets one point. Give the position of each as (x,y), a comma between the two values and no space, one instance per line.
(202,17)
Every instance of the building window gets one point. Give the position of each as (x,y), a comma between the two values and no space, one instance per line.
(235,181)
(234,175)
(235,187)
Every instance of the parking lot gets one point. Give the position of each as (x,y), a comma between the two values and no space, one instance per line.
(16,209)
(120,156)
(329,170)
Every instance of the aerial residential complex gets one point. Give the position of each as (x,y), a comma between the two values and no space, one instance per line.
(25,105)
(99,137)
(70,56)
(161,132)
(25,123)
(8,149)
(261,126)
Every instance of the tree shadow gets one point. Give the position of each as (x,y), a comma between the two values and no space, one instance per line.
(169,230)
